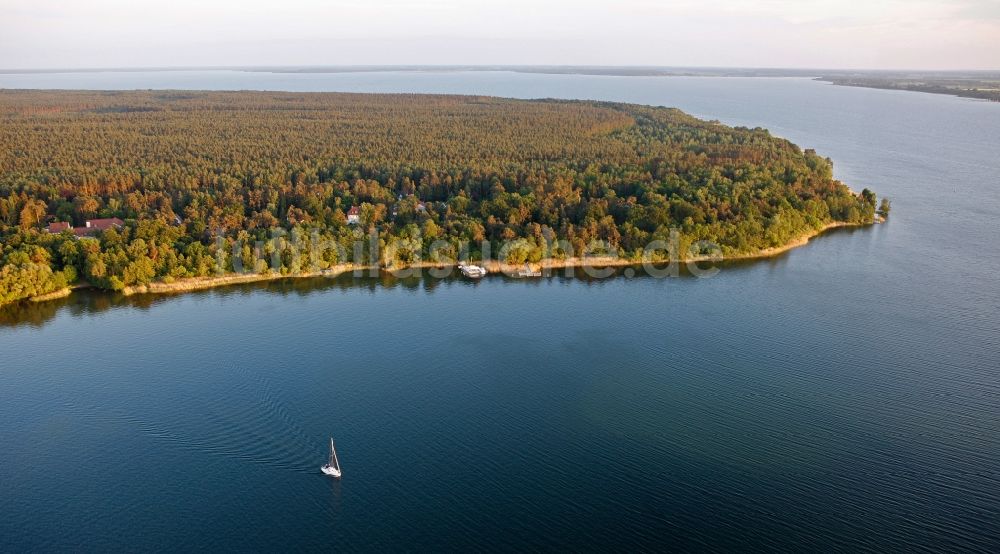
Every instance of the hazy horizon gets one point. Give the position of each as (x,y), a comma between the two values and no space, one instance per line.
(939,35)
(499,67)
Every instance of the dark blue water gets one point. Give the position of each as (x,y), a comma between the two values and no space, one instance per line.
(841,397)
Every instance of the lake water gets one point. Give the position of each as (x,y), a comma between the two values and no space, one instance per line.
(844,396)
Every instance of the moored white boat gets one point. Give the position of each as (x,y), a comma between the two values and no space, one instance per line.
(472,271)
(526,271)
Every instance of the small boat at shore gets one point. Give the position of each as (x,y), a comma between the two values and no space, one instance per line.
(526,271)
(472,271)
(332,467)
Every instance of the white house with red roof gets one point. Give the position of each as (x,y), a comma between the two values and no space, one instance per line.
(353,216)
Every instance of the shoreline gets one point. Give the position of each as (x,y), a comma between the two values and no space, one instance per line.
(492,267)
(61,293)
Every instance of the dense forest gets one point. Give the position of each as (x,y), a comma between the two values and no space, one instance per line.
(191,174)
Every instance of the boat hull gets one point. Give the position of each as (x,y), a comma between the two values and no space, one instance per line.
(331,471)
(472,271)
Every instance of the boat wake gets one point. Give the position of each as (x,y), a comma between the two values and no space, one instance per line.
(251,424)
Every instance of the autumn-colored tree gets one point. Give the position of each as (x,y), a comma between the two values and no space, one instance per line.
(32,213)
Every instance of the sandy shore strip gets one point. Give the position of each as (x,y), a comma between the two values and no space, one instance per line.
(61,293)
(492,266)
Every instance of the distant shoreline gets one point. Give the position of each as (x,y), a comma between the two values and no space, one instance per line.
(492,266)
(613,70)
(979,84)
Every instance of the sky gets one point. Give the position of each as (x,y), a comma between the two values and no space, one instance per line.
(830,34)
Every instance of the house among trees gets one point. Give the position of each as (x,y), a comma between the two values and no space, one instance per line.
(90,227)
(353,216)
(57,227)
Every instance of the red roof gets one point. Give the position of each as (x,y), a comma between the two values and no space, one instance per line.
(104,224)
(93,226)
(354,211)
(58,227)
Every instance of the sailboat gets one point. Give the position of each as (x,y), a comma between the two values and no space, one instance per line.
(332,468)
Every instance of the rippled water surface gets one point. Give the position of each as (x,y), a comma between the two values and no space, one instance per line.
(844,396)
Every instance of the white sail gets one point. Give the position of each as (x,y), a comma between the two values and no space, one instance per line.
(332,468)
